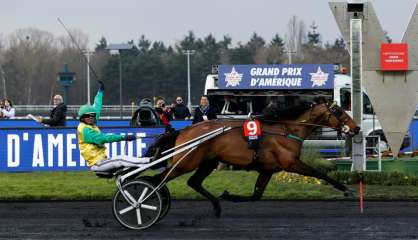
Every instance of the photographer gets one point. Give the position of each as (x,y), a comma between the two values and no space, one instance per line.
(164,112)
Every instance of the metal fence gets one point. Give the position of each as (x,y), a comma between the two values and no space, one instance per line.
(111,111)
(108,111)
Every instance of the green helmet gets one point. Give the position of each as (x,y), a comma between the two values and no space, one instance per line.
(85,109)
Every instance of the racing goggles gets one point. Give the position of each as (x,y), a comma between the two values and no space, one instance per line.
(89,115)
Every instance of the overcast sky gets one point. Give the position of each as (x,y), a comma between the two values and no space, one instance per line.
(170,20)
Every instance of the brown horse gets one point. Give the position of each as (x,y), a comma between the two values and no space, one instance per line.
(279,149)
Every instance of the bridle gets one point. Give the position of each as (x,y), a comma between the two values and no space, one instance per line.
(334,110)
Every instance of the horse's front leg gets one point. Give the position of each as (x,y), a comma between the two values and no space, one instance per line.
(262,181)
(195,181)
(302,168)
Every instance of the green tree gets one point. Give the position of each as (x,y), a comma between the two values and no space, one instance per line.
(314,38)
(276,50)
(241,55)
(256,43)
(101,46)
(277,41)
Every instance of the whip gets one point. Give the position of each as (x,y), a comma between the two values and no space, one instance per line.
(78,47)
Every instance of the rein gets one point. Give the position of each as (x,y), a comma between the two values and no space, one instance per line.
(301,123)
(284,133)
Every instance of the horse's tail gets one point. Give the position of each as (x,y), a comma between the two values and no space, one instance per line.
(163,143)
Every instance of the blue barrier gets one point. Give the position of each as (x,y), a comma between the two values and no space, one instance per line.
(47,149)
(25,123)
(26,146)
(180,124)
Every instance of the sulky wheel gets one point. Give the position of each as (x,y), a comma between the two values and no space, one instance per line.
(165,195)
(146,209)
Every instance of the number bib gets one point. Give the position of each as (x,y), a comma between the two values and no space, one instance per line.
(252,129)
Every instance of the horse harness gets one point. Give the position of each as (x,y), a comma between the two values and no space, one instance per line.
(254,144)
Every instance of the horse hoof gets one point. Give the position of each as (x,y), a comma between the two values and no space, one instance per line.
(218,213)
(349,193)
(225,195)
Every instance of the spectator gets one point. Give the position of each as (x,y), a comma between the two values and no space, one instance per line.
(1,108)
(180,111)
(58,115)
(164,112)
(7,110)
(173,104)
(204,112)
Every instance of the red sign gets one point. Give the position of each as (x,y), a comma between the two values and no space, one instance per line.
(394,57)
(252,129)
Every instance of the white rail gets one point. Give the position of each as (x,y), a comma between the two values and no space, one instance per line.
(194,142)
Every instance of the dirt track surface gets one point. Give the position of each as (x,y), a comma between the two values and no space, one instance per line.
(194,220)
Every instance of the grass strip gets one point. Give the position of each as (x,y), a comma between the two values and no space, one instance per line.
(86,186)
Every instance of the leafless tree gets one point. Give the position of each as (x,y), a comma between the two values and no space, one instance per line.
(2,74)
(295,37)
(30,57)
(2,43)
(261,56)
(70,54)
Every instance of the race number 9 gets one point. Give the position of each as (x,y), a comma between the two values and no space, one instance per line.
(252,128)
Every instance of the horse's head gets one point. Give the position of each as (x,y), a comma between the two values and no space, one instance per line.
(332,115)
(321,112)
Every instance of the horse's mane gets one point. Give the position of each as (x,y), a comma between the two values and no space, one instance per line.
(273,112)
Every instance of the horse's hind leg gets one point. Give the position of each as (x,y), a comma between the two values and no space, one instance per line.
(262,181)
(195,182)
(306,170)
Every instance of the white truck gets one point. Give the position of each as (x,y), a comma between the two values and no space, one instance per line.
(326,141)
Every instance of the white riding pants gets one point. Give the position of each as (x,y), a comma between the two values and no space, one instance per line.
(118,162)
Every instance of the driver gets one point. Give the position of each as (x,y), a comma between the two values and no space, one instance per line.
(91,141)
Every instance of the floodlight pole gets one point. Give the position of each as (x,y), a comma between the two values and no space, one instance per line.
(188,53)
(119,48)
(120,85)
(289,56)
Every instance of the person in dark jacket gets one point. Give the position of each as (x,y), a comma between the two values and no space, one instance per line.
(204,112)
(180,111)
(58,115)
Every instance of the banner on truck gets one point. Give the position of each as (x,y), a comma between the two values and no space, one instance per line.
(276,77)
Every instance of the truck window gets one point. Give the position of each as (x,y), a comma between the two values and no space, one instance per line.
(345,97)
(238,105)
(241,105)
(367,105)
